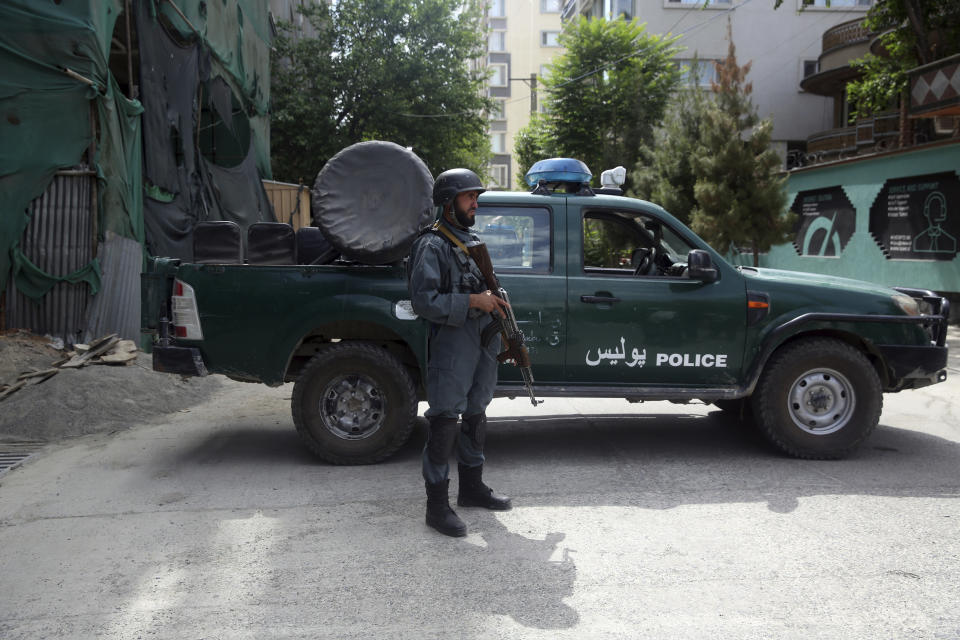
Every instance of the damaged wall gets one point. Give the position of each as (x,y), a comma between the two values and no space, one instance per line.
(204,78)
(196,144)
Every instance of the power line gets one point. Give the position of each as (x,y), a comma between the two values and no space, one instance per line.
(683,34)
(599,69)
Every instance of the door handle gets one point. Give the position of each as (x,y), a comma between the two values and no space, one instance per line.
(599,299)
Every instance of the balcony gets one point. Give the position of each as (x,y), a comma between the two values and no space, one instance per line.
(935,89)
(840,44)
(869,135)
(845,34)
(572,8)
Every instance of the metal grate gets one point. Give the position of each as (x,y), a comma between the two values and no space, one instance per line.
(14,453)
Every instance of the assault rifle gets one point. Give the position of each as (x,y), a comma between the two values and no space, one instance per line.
(515,349)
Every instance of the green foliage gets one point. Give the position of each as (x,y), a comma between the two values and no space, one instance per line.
(604,95)
(880,85)
(533,142)
(913,32)
(739,191)
(602,248)
(380,71)
(664,172)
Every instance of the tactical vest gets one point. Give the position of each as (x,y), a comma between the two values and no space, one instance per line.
(471,280)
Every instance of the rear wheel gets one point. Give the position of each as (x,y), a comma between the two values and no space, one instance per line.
(818,398)
(354,403)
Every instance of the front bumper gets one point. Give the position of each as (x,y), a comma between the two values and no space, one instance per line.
(911,367)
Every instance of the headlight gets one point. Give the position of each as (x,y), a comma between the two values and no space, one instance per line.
(907,304)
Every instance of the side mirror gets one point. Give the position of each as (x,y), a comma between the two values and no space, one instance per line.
(700,267)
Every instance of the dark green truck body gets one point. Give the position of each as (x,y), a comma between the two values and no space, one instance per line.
(616,298)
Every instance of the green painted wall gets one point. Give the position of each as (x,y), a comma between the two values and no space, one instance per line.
(862,258)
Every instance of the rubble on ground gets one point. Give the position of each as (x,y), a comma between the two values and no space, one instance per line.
(48,393)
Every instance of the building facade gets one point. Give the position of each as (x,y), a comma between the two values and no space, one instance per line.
(522,42)
(783,46)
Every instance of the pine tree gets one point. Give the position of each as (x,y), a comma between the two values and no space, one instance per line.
(664,173)
(739,190)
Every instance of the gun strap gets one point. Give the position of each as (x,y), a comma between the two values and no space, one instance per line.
(493,327)
(449,235)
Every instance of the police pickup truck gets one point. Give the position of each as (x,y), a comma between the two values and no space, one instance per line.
(616,299)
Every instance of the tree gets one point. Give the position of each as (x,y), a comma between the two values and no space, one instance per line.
(913,33)
(398,70)
(604,95)
(533,142)
(739,190)
(664,172)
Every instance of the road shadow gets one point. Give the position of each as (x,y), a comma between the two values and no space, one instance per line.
(646,460)
(663,461)
(352,527)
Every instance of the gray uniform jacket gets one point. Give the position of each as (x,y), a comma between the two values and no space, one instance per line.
(461,372)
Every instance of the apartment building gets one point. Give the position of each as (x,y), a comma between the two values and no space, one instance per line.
(289,11)
(783,45)
(522,42)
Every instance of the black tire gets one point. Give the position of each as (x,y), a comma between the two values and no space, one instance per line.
(354,403)
(818,398)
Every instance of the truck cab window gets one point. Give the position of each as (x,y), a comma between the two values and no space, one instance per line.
(631,244)
(517,238)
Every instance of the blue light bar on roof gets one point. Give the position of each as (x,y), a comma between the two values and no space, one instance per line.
(558,170)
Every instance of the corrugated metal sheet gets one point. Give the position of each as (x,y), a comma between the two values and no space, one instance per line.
(59,240)
(116,307)
(291,202)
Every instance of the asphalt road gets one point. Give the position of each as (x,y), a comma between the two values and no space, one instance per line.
(630,521)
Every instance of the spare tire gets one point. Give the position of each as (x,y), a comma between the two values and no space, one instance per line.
(371,199)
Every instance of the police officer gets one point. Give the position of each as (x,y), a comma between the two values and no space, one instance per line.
(447,288)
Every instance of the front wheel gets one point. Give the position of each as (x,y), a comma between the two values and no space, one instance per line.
(818,398)
(354,403)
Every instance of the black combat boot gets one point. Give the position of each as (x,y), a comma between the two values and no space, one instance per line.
(473,493)
(439,514)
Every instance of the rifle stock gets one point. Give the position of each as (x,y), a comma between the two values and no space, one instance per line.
(515,348)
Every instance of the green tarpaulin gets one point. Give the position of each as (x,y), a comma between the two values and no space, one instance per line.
(54,72)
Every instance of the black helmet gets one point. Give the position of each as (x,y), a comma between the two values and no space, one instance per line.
(452,183)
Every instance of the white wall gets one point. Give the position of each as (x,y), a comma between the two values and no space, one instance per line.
(776,41)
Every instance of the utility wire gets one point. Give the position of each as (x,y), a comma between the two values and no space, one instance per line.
(595,71)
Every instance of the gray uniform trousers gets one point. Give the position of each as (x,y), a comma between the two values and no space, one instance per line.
(461,372)
(461,379)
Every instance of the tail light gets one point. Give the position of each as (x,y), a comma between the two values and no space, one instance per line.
(186,314)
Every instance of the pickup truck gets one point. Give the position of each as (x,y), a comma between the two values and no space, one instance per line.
(616,299)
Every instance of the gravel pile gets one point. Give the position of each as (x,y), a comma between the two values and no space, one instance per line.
(90,399)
